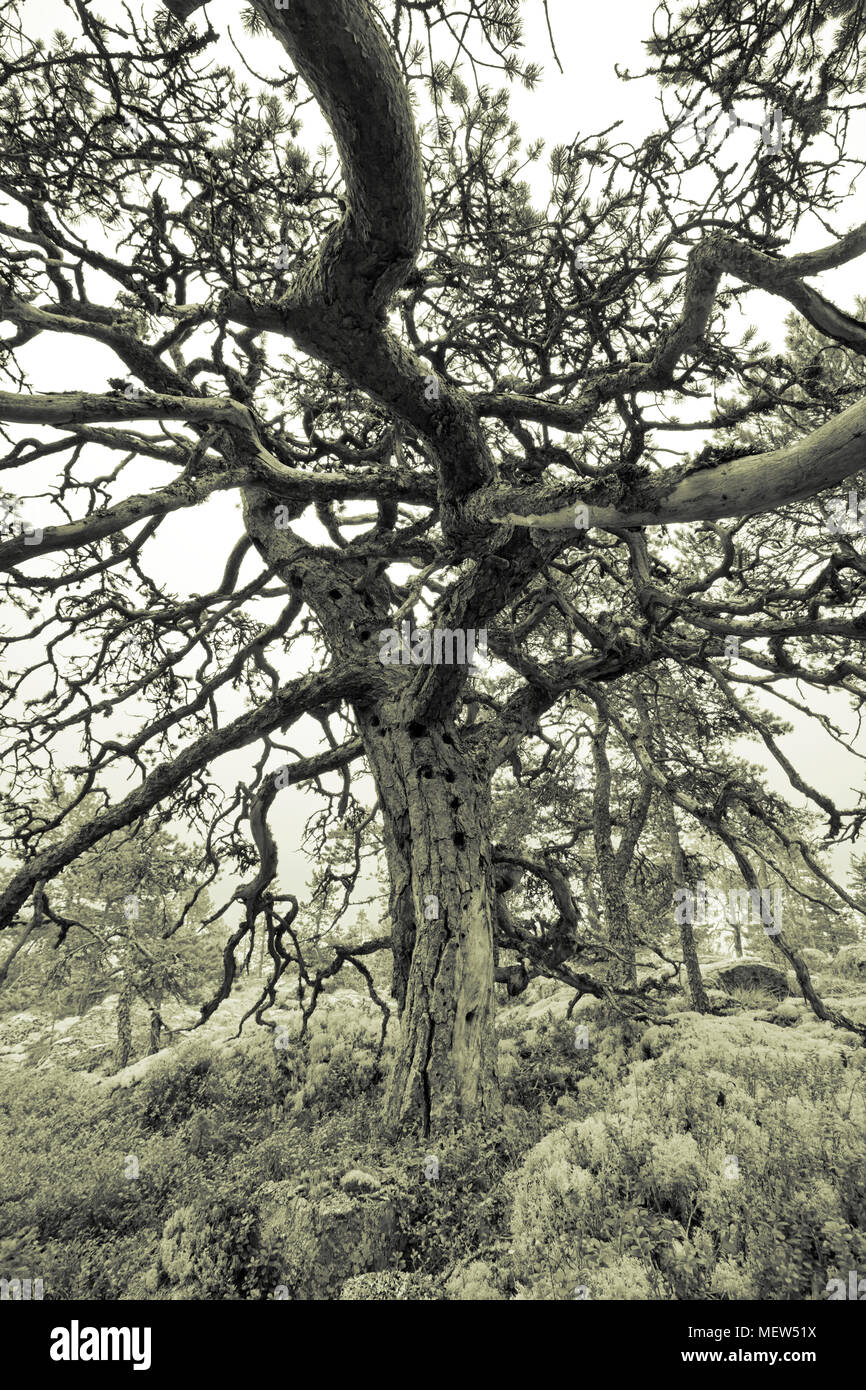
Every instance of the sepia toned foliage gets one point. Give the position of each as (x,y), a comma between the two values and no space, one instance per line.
(439,399)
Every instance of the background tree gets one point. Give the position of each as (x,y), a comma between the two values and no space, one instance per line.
(125,918)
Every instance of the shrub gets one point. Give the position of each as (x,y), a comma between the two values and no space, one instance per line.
(387,1285)
(476,1282)
(721,1166)
(212,1250)
(464,1207)
(169,1092)
(541,1061)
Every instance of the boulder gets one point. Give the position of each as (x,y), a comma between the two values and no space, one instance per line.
(815,959)
(850,962)
(748,974)
(322,1243)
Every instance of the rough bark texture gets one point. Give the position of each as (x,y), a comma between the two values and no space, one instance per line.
(436,819)
(434,798)
(123,1047)
(155,1040)
(610,872)
(687,936)
(743,487)
(443,903)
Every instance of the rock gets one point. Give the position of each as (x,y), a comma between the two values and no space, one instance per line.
(745,974)
(323,1243)
(815,959)
(850,962)
(356,1180)
(552,1006)
(131,1075)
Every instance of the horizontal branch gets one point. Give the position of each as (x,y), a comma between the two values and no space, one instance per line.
(742,487)
(184,492)
(63,408)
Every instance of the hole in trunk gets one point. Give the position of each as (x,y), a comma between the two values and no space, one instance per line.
(416,730)
(459,839)
(449,776)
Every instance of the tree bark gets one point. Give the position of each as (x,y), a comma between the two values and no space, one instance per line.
(620,937)
(436,811)
(155,1040)
(123,1046)
(687,937)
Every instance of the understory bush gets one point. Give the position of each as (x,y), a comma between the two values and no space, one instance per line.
(723,1165)
(700,1158)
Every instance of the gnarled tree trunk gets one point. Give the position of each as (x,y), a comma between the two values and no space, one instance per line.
(436,811)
